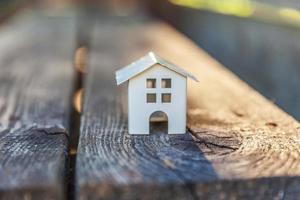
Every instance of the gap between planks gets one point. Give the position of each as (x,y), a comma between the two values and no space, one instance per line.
(76,101)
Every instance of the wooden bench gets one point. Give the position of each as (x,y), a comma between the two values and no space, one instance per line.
(238,146)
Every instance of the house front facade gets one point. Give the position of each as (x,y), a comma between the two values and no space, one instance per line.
(157,89)
(155,85)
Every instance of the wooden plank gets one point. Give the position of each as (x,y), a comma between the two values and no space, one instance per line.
(239,144)
(36,85)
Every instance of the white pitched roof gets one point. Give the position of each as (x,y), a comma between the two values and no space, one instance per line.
(144,63)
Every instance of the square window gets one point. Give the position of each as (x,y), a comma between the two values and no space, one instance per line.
(151,98)
(166,98)
(151,83)
(166,83)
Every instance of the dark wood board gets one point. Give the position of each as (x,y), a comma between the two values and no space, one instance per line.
(239,145)
(36,78)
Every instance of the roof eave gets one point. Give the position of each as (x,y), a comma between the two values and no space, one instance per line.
(153,59)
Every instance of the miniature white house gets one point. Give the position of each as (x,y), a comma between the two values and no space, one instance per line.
(154,85)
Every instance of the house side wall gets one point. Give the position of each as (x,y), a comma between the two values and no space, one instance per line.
(139,111)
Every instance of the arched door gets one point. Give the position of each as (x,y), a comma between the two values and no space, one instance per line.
(158,123)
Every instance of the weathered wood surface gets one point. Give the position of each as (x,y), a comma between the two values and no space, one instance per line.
(36,78)
(239,144)
(265,55)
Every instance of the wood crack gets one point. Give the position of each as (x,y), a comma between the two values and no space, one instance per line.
(53,131)
(210,140)
(216,145)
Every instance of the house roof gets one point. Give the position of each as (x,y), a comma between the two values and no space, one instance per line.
(144,63)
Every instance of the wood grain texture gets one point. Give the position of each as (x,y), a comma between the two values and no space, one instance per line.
(36,85)
(239,144)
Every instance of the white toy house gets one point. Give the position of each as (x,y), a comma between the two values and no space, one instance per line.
(155,85)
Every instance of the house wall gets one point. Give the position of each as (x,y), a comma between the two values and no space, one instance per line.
(139,111)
